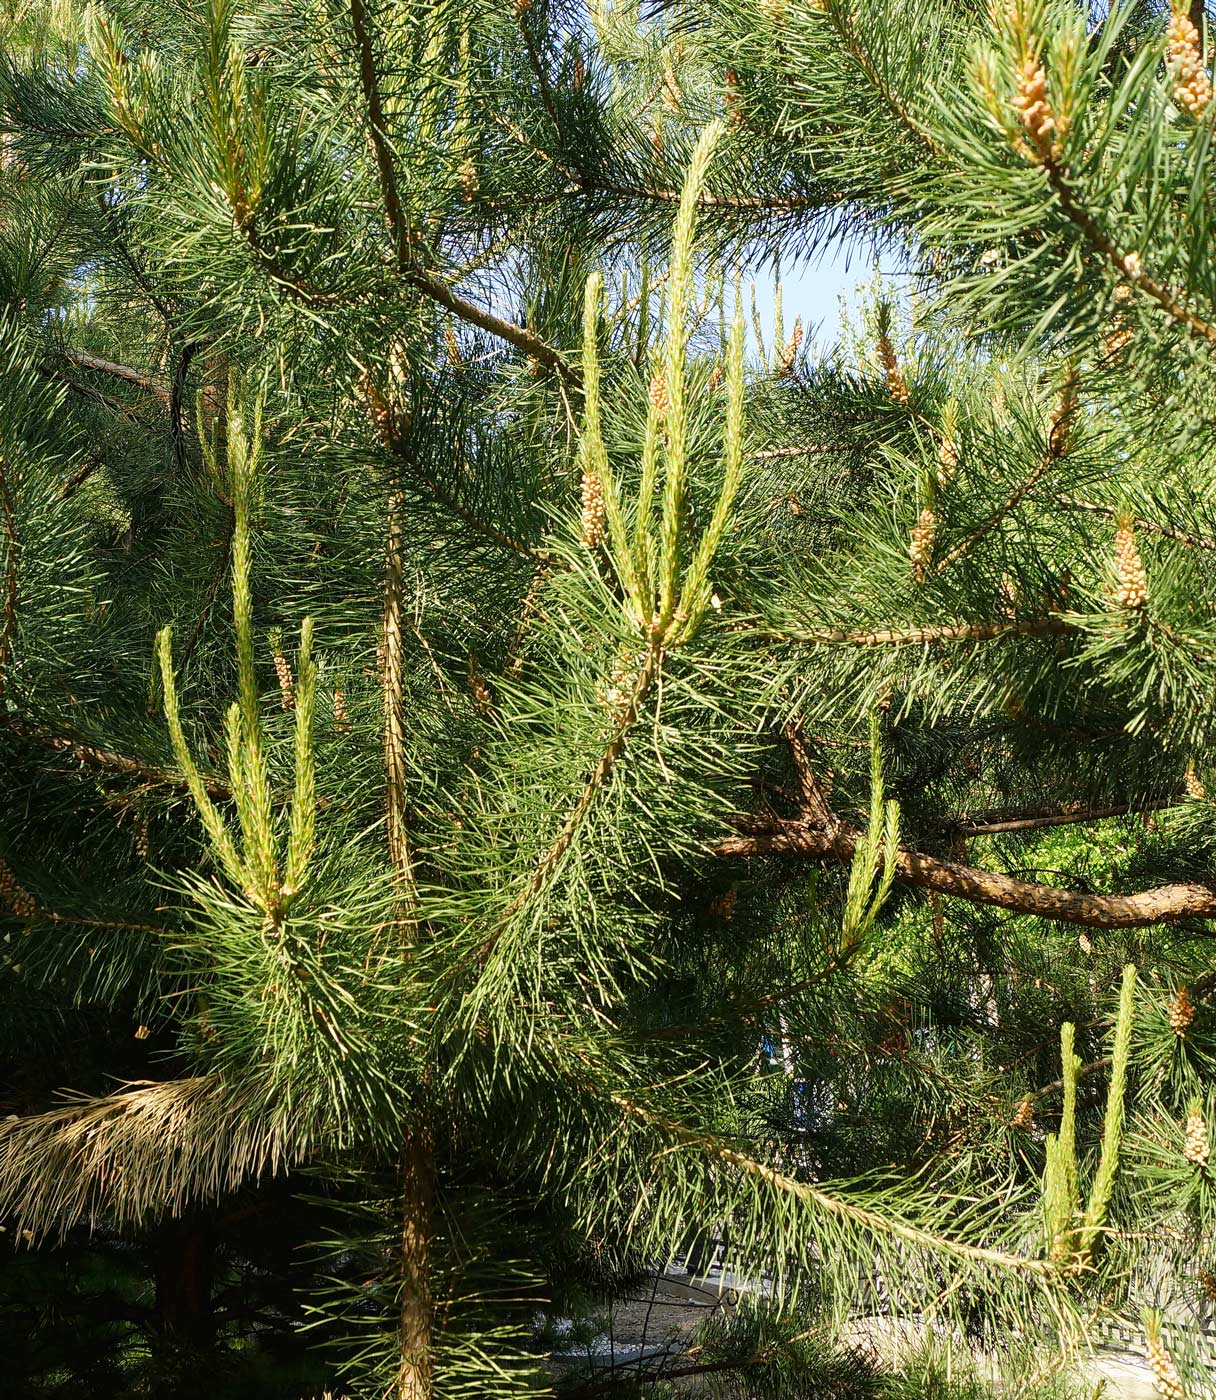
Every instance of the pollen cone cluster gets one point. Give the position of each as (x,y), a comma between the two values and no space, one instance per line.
(1132,582)
(1193,783)
(1119,337)
(730,97)
(1030,99)
(1181,1011)
(790,353)
(19,901)
(1195,1149)
(483,698)
(659,397)
(1024,1116)
(896,385)
(1192,87)
(378,409)
(282,669)
(469,182)
(341,718)
(1166,1380)
(616,694)
(1207,1281)
(947,461)
(673,96)
(593,509)
(920,543)
(1063,420)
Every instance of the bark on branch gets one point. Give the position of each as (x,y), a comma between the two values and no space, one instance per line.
(995,823)
(922,636)
(403,235)
(83,360)
(1162,904)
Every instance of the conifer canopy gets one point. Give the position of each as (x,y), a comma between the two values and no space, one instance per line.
(517,761)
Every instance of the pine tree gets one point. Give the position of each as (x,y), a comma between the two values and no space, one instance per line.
(463,692)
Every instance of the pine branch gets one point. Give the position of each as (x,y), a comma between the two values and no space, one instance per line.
(922,636)
(369,82)
(869,1220)
(1032,819)
(523,339)
(1056,1085)
(111,405)
(538,69)
(177,393)
(82,473)
(1150,527)
(1162,904)
(152,1148)
(844,21)
(1126,265)
(548,864)
(1057,448)
(93,756)
(400,856)
(415,1303)
(82,359)
(482,527)
(399,227)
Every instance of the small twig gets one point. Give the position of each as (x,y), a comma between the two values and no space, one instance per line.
(1150,527)
(921,636)
(83,360)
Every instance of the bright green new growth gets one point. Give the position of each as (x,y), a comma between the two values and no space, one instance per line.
(864,900)
(1069,1241)
(679,291)
(247,756)
(1060,1188)
(255,867)
(666,597)
(302,836)
(696,594)
(211,819)
(1112,1124)
(594,455)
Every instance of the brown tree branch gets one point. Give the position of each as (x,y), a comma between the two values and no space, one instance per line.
(1127,266)
(177,394)
(87,391)
(1149,527)
(523,339)
(1162,904)
(995,823)
(399,228)
(1057,1085)
(91,756)
(83,360)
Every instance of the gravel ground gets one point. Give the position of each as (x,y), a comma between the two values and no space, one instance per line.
(661,1313)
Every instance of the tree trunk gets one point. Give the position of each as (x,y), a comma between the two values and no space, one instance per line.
(417,1193)
(185,1259)
(417,1159)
